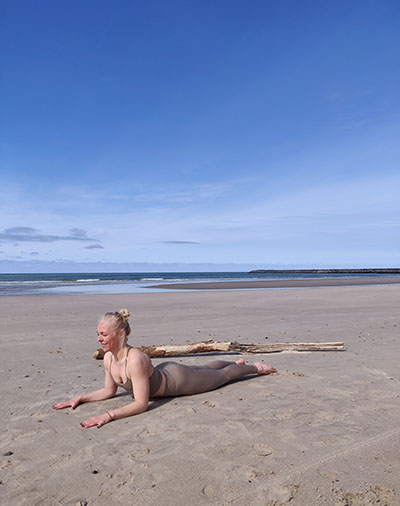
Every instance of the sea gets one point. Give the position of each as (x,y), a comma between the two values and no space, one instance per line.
(138,282)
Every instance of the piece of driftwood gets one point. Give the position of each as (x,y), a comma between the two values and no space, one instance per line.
(171,350)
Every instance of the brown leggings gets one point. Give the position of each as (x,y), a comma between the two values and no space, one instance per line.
(193,379)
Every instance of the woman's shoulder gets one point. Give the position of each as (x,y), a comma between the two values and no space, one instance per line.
(138,357)
(107,358)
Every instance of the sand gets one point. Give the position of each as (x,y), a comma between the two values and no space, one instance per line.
(281,283)
(324,430)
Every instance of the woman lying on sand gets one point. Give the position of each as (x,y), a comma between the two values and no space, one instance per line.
(132,370)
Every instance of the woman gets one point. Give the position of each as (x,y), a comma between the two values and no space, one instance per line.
(132,370)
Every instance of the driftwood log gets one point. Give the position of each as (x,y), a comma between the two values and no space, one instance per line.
(171,350)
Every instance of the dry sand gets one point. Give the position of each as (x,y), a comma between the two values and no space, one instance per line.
(324,430)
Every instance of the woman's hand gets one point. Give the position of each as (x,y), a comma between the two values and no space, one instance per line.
(98,421)
(69,404)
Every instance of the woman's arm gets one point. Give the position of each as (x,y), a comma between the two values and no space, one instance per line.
(138,367)
(109,390)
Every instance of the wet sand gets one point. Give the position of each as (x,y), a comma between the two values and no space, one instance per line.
(321,431)
(280,283)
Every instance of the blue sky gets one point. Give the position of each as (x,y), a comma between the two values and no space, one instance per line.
(232,133)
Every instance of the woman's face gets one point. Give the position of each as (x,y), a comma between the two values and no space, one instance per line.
(107,336)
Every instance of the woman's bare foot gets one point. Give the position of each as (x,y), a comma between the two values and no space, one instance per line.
(263,368)
(240,361)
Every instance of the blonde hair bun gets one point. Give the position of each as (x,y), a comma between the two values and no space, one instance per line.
(119,320)
(125,314)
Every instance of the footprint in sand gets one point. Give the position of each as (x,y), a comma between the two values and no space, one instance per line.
(139,453)
(208,404)
(31,434)
(281,495)
(262,450)
(5,464)
(61,460)
(289,374)
(372,495)
(210,491)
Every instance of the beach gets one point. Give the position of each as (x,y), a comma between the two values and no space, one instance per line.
(281,283)
(322,430)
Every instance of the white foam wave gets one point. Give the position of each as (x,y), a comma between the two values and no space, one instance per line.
(151,279)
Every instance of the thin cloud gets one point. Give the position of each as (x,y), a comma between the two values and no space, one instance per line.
(21,230)
(185,193)
(78,232)
(28,234)
(179,242)
(94,246)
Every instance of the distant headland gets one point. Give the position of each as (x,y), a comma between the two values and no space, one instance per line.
(390,270)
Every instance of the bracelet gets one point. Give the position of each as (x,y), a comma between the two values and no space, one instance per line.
(109,414)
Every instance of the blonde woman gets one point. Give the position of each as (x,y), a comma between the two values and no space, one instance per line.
(131,369)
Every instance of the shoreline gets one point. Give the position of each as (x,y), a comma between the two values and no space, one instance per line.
(383,270)
(103,283)
(282,283)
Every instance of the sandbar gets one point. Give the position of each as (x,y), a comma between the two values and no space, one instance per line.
(281,283)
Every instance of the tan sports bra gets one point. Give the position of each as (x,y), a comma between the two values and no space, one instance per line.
(155,379)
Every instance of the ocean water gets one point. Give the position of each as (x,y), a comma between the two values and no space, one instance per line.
(134,282)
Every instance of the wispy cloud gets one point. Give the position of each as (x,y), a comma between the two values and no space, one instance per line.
(78,232)
(21,230)
(29,234)
(189,193)
(179,242)
(94,246)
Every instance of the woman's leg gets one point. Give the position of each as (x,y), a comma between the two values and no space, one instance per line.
(215,364)
(188,380)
